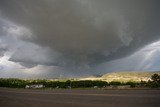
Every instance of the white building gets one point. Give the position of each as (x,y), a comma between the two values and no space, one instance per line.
(35,86)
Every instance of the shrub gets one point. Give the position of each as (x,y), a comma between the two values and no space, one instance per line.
(132,84)
(115,83)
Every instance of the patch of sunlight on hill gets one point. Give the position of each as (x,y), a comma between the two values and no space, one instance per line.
(124,76)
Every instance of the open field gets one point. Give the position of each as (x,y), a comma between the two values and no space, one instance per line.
(78,98)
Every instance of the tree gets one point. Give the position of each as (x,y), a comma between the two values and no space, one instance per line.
(155,78)
(155,81)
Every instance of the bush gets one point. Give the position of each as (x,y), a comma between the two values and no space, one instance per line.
(100,83)
(13,83)
(82,84)
(132,84)
(115,83)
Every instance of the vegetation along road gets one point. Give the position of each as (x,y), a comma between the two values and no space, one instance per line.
(78,98)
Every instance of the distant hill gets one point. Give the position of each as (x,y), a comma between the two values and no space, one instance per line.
(124,76)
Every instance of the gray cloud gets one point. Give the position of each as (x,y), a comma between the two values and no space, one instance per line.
(81,33)
(146,59)
(3,49)
(30,55)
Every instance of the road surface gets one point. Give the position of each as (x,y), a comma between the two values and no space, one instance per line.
(78,98)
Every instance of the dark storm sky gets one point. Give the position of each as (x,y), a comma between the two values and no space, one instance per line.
(78,37)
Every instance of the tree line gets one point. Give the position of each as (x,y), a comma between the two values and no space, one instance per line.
(19,83)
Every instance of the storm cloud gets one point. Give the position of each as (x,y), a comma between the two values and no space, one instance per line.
(77,33)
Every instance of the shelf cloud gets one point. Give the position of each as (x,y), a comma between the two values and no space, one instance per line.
(78,34)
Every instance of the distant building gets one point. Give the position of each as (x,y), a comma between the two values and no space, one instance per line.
(118,87)
(35,86)
(124,86)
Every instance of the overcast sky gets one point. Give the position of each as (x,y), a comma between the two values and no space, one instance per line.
(68,38)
